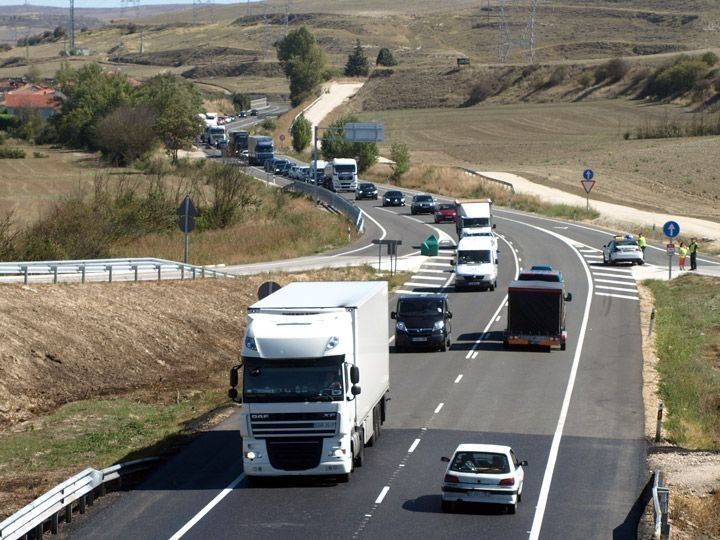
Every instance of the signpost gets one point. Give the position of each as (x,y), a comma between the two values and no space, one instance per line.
(392,252)
(587,184)
(187,213)
(671,229)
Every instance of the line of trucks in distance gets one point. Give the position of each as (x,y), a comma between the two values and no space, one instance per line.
(339,174)
(314,375)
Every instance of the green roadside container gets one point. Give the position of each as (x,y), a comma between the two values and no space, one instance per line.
(430,247)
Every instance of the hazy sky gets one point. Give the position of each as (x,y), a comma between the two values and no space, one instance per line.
(105,3)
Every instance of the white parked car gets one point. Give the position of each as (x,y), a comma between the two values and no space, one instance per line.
(623,249)
(483,473)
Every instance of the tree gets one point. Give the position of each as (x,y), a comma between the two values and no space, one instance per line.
(126,134)
(30,124)
(175,104)
(400,154)
(301,133)
(357,64)
(241,102)
(303,62)
(33,74)
(91,94)
(334,145)
(385,58)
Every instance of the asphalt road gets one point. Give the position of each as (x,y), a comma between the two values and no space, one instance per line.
(575,415)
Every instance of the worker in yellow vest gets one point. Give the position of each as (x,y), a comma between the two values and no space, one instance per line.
(642,243)
(682,255)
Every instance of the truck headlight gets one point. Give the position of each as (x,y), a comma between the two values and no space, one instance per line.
(401,326)
(250,343)
(332,343)
(439,325)
(251,455)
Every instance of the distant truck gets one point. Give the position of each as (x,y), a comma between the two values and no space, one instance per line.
(474,218)
(341,174)
(215,134)
(307,350)
(317,171)
(260,149)
(536,314)
(238,142)
(211,119)
(476,263)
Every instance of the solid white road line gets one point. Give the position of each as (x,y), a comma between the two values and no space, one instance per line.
(430,270)
(621,289)
(458,378)
(607,268)
(438,408)
(617,296)
(614,281)
(405,291)
(424,285)
(382,494)
(431,278)
(557,437)
(413,446)
(415,219)
(209,506)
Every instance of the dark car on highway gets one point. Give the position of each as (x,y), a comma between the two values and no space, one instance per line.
(422,321)
(394,198)
(275,166)
(366,190)
(422,204)
(445,212)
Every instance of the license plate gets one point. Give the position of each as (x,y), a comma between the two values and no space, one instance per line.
(419,339)
(478,493)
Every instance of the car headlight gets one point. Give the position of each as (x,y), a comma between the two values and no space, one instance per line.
(439,325)
(250,343)
(401,326)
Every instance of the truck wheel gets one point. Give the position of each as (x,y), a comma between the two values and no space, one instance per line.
(359,459)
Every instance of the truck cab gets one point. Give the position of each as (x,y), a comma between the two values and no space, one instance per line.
(476,263)
(341,174)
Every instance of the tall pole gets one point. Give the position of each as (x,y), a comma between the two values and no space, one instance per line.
(72,25)
(314,170)
(186,217)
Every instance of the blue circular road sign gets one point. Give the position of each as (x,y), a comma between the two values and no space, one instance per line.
(671,229)
(588,174)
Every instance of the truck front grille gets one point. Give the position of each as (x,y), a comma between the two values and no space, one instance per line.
(286,425)
(295,454)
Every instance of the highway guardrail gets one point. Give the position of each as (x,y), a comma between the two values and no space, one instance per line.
(661,506)
(106,269)
(46,512)
(347,208)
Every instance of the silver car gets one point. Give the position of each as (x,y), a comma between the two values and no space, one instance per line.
(623,249)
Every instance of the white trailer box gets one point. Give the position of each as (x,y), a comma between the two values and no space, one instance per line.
(315,368)
(474,218)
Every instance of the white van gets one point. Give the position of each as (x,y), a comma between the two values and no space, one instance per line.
(474,217)
(476,263)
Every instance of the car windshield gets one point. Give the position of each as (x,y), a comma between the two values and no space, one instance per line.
(480,462)
(626,243)
(417,307)
(393,194)
(423,198)
(367,186)
(480,256)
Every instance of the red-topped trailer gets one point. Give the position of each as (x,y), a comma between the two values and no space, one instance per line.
(536,314)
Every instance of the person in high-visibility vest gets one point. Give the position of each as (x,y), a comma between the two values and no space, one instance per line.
(682,255)
(642,243)
(693,254)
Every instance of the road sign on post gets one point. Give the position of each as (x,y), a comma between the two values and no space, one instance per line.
(671,229)
(587,184)
(187,213)
(364,132)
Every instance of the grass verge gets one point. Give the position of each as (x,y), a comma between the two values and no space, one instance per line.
(688,349)
(456,183)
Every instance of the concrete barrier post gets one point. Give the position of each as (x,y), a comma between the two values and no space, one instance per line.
(658,426)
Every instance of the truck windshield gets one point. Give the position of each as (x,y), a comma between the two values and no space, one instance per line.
(217,131)
(296,379)
(264,147)
(476,222)
(474,257)
(345,168)
(419,307)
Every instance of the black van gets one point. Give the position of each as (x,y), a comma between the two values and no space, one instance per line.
(422,322)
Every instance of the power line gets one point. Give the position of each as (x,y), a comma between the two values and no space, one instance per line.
(527,41)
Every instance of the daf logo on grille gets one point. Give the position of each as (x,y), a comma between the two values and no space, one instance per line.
(259,416)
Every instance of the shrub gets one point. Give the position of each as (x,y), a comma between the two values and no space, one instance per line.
(557,76)
(480,92)
(710,58)
(612,71)
(677,78)
(385,58)
(11,153)
(39,155)
(126,134)
(269,124)
(586,79)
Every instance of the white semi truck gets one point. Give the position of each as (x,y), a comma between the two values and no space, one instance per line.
(315,376)
(342,174)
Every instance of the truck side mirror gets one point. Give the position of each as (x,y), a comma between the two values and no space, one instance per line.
(393,315)
(355,389)
(523,463)
(445,459)
(568,297)
(234,376)
(449,314)
(233,394)
(354,375)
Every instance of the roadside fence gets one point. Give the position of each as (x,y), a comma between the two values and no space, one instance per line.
(341,204)
(76,493)
(503,183)
(104,270)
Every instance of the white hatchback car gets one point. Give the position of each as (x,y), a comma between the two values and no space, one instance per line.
(483,473)
(623,249)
